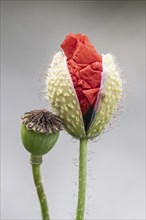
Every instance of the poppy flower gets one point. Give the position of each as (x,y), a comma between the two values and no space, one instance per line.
(83,87)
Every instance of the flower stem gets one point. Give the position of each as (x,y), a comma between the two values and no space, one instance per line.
(82,179)
(36,161)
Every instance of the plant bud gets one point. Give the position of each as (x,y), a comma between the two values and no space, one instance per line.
(83,87)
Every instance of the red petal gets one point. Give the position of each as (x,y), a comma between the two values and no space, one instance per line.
(93,77)
(85,67)
(91,95)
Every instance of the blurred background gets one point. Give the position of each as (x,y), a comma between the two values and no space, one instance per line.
(31,32)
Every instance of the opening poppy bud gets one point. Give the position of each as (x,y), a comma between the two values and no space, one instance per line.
(40,131)
(83,87)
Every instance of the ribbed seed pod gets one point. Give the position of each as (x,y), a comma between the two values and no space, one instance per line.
(40,131)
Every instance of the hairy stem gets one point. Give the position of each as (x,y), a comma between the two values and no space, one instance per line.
(36,161)
(82,179)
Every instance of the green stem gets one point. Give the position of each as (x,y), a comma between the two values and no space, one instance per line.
(36,161)
(82,179)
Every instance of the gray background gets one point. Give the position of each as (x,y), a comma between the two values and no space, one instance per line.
(32,32)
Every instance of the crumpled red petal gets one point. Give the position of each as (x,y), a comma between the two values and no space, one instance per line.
(85,67)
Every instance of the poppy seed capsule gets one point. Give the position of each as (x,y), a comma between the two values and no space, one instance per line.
(83,87)
(40,131)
